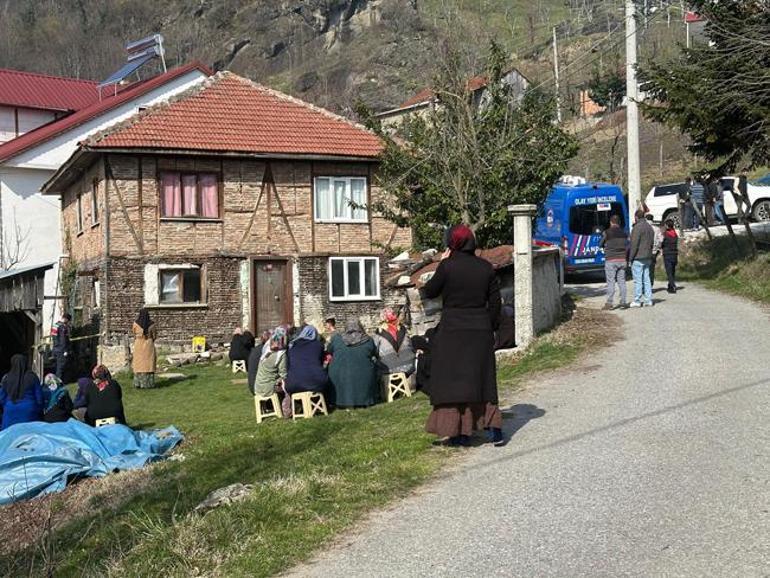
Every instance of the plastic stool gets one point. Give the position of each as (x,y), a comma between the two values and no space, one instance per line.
(270,399)
(239,365)
(398,386)
(312,403)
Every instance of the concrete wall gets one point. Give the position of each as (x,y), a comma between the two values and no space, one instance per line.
(547,281)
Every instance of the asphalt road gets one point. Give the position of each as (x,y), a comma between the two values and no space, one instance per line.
(650,459)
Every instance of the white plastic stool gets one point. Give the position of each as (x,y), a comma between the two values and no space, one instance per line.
(270,400)
(239,365)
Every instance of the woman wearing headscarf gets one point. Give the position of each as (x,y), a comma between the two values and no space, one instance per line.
(352,371)
(21,395)
(104,397)
(463,382)
(305,363)
(271,372)
(58,403)
(394,348)
(252,365)
(143,362)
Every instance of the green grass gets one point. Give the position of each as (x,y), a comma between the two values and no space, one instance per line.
(717,265)
(311,480)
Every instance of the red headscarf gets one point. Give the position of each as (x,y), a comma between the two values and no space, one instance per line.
(461,238)
(391,320)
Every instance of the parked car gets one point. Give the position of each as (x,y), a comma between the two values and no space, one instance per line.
(662,201)
(574,216)
(762,181)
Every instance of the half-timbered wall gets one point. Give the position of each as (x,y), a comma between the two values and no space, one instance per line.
(265,208)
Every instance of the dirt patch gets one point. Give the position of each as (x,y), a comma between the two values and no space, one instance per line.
(27,523)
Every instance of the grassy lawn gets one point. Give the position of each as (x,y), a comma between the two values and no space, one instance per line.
(715,264)
(311,479)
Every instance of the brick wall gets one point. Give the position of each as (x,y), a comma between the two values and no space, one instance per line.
(282,224)
(314,297)
(176,325)
(86,243)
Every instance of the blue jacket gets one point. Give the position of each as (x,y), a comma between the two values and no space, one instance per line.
(28,408)
(306,371)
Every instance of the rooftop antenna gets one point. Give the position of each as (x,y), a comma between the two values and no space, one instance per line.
(139,52)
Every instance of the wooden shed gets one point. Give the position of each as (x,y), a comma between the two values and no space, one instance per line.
(21,314)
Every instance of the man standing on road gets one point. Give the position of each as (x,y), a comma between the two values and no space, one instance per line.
(60,334)
(655,249)
(697,198)
(615,244)
(640,255)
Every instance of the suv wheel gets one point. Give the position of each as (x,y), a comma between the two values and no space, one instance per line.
(674,216)
(761,210)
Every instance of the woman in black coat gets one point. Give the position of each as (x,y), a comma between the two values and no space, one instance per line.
(463,379)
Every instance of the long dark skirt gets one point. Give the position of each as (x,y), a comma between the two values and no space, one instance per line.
(452,420)
(463,359)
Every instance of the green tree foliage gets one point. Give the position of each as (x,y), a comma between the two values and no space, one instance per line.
(718,91)
(472,155)
(608,89)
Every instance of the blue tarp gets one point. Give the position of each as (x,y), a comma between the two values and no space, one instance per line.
(39,458)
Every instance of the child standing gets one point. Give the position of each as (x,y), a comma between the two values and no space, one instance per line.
(670,254)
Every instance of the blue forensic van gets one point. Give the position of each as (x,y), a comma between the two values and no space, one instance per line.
(574,216)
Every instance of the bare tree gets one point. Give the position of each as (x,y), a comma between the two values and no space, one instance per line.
(14,249)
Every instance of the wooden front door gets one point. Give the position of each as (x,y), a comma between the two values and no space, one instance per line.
(272,294)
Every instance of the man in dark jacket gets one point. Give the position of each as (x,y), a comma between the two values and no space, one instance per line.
(61,346)
(640,255)
(615,244)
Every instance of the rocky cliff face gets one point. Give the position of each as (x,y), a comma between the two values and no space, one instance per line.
(323,50)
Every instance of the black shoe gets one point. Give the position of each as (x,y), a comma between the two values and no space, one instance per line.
(496,437)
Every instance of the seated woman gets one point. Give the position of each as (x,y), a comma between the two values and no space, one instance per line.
(103,397)
(352,372)
(305,363)
(394,348)
(79,411)
(21,396)
(240,345)
(272,365)
(252,365)
(58,404)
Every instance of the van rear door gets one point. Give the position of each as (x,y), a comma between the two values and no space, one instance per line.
(588,219)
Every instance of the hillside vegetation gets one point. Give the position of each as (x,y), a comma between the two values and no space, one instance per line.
(337,52)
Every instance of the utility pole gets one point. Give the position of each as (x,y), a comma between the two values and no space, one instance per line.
(556,76)
(632,114)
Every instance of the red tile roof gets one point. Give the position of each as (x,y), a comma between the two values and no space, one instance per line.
(228,113)
(426,94)
(32,90)
(44,133)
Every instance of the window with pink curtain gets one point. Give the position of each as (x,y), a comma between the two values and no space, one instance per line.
(209,196)
(190,195)
(172,194)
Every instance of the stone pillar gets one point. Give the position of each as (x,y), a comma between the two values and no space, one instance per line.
(523,272)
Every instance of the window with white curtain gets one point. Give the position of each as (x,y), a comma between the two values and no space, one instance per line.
(340,199)
(354,278)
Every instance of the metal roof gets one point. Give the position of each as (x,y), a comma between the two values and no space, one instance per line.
(11,273)
(33,90)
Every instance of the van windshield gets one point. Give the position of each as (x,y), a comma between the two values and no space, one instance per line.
(590,220)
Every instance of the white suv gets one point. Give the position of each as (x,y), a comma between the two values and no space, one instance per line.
(661,201)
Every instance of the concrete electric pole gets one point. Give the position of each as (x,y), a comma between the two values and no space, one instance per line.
(556,76)
(632,114)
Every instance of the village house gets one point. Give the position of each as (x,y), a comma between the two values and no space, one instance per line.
(422,102)
(42,119)
(231,205)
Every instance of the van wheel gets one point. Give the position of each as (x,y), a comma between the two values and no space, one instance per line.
(761,210)
(674,216)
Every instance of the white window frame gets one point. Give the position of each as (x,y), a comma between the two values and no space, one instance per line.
(180,269)
(94,203)
(362,270)
(79,211)
(330,201)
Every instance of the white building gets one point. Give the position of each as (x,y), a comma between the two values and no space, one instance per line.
(46,137)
